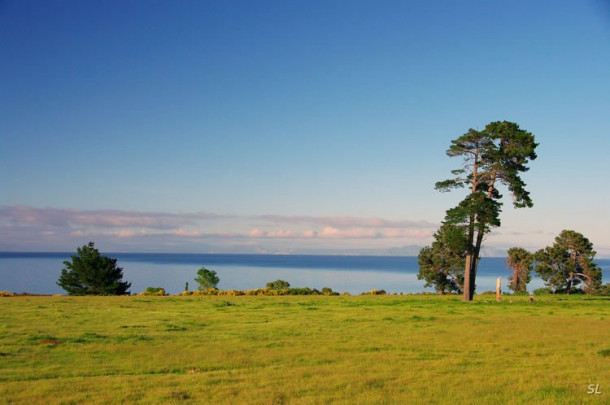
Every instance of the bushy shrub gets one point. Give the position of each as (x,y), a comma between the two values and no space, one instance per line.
(207,291)
(278,285)
(232,293)
(268,292)
(604,290)
(160,291)
(375,292)
(255,292)
(301,291)
(329,291)
(6,294)
(542,291)
(272,291)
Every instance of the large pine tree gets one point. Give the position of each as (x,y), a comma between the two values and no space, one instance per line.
(496,155)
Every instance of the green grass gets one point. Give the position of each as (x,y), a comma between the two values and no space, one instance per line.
(304,350)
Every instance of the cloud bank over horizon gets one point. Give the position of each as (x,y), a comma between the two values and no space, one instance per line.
(33,229)
(27,228)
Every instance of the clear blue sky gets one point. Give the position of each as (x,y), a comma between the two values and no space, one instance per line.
(288,125)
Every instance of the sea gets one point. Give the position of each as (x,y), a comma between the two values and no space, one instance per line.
(37,273)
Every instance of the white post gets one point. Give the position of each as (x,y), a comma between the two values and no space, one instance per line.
(499,289)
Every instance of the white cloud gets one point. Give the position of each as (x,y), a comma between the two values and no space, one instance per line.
(43,229)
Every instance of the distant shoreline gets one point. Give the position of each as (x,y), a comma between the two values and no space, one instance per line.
(37,272)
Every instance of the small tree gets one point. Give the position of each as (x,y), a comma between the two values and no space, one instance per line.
(441,265)
(206,278)
(521,262)
(569,263)
(328,291)
(278,285)
(90,273)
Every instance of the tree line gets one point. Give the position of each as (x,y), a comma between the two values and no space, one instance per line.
(494,156)
(567,266)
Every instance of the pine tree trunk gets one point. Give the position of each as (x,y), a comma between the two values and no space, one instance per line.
(468,274)
(476,250)
(473,275)
(475,262)
(470,270)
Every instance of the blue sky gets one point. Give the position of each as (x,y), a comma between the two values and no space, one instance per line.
(285,126)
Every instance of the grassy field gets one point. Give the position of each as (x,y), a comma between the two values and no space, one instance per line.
(304,350)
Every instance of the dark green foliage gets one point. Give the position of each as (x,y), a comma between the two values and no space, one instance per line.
(496,155)
(206,279)
(542,291)
(441,265)
(278,285)
(569,263)
(329,291)
(90,273)
(521,262)
(486,212)
(499,153)
(300,291)
(604,290)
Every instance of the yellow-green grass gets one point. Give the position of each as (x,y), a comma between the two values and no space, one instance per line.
(304,350)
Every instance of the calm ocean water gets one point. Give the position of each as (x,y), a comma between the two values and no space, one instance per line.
(37,273)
